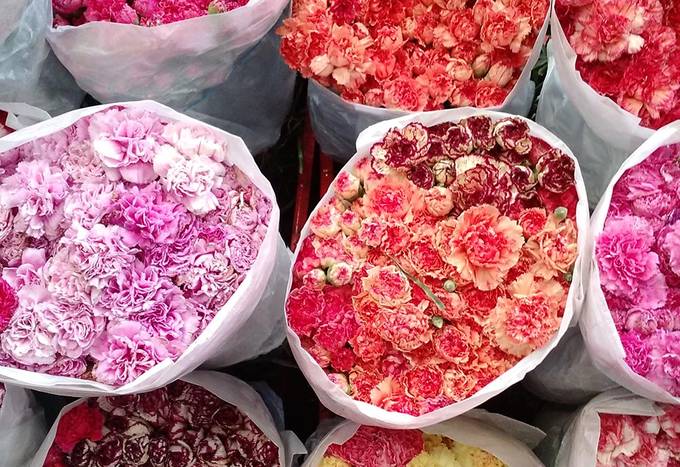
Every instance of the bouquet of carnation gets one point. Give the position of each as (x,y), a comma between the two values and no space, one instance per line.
(410,55)
(22,426)
(188,54)
(476,439)
(630,325)
(443,265)
(135,245)
(618,429)
(141,12)
(29,72)
(613,80)
(205,419)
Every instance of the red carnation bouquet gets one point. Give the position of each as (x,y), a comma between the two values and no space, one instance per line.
(619,429)
(371,60)
(478,439)
(206,419)
(442,266)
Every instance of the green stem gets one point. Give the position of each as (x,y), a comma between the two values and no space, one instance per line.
(420,284)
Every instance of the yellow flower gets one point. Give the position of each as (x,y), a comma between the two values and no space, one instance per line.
(330,461)
(469,456)
(439,456)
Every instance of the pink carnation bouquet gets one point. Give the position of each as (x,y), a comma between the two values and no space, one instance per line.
(476,439)
(378,58)
(627,52)
(619,429)
(442,259)
(123,235)
(636,284)
(142,12)
(206,419)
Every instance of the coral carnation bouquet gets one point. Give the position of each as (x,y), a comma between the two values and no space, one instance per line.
(476,439)
(130,237)
(441,267)
(631,325)
(410,55)
(206,419)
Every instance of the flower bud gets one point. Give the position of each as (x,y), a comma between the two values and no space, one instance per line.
(347,186)
(339,274)
(450,285)
(480,66)
(561,213)
(444,172)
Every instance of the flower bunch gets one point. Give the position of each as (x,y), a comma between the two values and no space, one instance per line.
(121,237)
(638,257)
(626,50)
(630,440)
(374,447)
(177,426)
(141,12)
(414,54)
(443,258)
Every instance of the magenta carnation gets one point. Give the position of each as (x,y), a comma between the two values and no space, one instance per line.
(627,263)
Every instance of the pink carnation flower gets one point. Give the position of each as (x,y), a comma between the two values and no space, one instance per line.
(124,352)
(126,141)
(36,190)
(627,263)
(671,247)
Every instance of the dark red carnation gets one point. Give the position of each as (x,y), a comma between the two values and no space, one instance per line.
(422,176)
(556,171)
(8,304)
(79,423)
(481,129)
(458,141)
(552,200)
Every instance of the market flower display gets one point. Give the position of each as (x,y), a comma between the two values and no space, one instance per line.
(177,426)
(141,12)
(412,54)
(374,447)
(444,257)
(627,51)
(121,237)
(638,255)
(631,440)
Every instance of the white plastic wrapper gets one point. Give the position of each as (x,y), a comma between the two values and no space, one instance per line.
(333,398)
(579,445)
(252,315)
(597,324)
(337,122)
(229,389)
(22,427)
(507,439)
(21,115)
(217,67)
(568,375)
(28,71)
(600,133)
